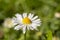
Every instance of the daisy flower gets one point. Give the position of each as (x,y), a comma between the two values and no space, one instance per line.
(8,22)
(26,22)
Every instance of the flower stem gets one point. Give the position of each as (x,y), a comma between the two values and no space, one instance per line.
(25,35)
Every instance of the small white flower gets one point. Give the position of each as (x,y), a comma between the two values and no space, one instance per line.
(57,15)
(26,21)
(8,23)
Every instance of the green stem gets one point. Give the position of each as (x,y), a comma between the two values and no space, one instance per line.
(25,36)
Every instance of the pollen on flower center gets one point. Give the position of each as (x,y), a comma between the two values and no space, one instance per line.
(26,20)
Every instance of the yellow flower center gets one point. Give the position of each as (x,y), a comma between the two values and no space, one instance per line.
(26,20)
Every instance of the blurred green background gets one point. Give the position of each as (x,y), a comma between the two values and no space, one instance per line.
(45,9)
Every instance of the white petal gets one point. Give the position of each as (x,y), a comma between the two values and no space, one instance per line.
(24,29)
(28,27)
(35,18)
(14,21)
(19,16)
(34,26)
(37,22)
(24,15)
(31,28)
(18,27)
(30,16)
